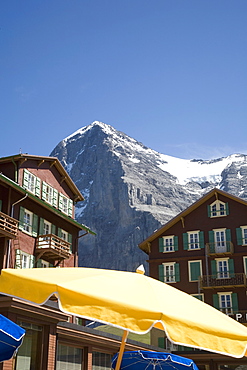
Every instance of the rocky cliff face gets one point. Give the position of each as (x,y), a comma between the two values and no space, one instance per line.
(131,190)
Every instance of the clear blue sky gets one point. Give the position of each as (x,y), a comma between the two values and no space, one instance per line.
(170,73)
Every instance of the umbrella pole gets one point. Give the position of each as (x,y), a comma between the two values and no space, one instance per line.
(121,350)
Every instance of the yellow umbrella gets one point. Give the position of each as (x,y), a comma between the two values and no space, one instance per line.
(130,301)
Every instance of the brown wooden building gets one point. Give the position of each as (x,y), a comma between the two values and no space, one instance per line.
(38,229)
(203,251)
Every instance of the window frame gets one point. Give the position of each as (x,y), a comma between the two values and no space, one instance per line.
(173,275)
(63,207)
(226,274)
(214,209)
(228,309)
(190,270)
(164,246)
(190,233)
(31,182)
(243,237)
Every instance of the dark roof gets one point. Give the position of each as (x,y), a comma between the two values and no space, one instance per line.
(54,161)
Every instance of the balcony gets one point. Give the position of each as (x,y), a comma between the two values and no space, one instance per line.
(51,248)
(223,280)
(8,226)
(220,248)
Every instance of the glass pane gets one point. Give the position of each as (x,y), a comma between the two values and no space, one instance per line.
(68,358)
(101,361)
(29,354)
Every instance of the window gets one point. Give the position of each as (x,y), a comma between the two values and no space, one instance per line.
(23,260)
(66,237)
(49,194)
(169,272)
(220,241)
(65,205)
(226,302)
(168,244)
(218,209)
(31,182)
(195,270)
(222,268)
(199,296)
(30,352)
(241,235)
(69,357)
(245,265)
(101,361)
(193,240)
(28,222)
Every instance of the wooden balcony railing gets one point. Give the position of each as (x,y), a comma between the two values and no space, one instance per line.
(219,248)
(8,226)
(52,248)
(223,279)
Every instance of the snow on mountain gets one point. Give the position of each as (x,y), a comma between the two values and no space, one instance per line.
(130,190)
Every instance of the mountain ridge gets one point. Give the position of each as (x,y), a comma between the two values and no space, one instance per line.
(130,190)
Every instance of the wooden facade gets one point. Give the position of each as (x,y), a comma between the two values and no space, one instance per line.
(203,251)
(38,229)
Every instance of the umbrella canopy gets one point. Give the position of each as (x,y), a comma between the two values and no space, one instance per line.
(10,338)
(130,301)
(145,360)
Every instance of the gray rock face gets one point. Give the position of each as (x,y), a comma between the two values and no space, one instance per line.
(131,190)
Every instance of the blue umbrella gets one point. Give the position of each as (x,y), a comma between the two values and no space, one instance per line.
(10,338)
(145,360)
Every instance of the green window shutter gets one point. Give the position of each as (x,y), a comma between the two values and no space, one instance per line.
(245,265)
(70,210)
(209,211)
(195,271)
(25,179)
(38,264)
(228,235)
(18,259)
(161,273)
(70,241)
(176,243)
(31,262)
(216,301)
(53,229)
(0,205)
(213,268)
(43,195)
(41,226)
(60,202)
(37,187)
(185,241)
(231,267)
(198,296)
(227,208)
(211,236)
(21,218)
(161,245)
(55,198)
(161,342)
(177,272)
(59,232)
(35,226)
(201,239)
(235,302)
(239,236)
